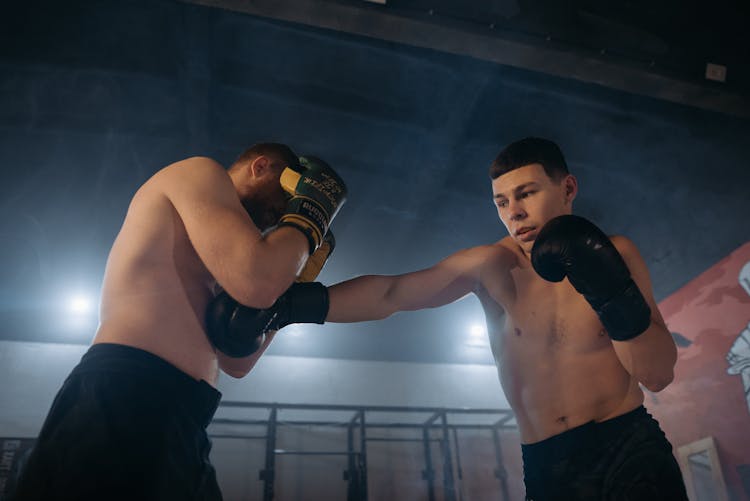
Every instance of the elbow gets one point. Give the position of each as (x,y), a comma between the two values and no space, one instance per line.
(659,370)
(657,382)
(259,294)
(237,368)
(263,299)
(236,373)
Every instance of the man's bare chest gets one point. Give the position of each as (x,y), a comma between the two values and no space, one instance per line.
(532,317)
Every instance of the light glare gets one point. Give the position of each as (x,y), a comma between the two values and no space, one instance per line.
(477,330)
(80,305)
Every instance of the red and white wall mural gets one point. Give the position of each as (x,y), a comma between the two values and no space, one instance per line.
(709,401)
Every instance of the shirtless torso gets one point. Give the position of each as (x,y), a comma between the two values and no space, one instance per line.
(156,288)
(556,364)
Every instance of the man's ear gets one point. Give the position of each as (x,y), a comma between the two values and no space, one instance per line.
(260,166)
(570,184)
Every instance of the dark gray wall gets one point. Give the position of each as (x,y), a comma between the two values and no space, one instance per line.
(96,97)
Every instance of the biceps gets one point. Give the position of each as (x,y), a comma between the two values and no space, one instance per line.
(429,289)
(216,224)
(219,234)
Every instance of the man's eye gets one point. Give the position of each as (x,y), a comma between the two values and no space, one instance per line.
(526,194)
(503,203)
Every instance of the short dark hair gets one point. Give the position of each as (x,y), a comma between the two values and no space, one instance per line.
(278,150)
(531,150)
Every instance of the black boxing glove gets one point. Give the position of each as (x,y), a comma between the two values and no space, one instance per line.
(571,246)
(236,330)
(239,331)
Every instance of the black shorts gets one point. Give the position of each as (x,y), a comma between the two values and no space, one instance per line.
(624,458)
(126,425)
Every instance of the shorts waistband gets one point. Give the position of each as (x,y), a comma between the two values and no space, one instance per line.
(201,398)
(589,434)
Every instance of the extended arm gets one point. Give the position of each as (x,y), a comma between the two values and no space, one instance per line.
(373,297)
(238,331)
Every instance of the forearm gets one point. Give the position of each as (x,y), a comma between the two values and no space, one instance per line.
(649,357)
(363,298)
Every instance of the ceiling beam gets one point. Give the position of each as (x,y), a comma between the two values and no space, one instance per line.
(381,23)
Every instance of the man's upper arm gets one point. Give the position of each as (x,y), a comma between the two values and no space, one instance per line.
(216,223)
(452,278)
(372,297)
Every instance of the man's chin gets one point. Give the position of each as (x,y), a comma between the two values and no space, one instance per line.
(525,246)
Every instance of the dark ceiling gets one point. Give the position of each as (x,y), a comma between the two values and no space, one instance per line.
(660,50)
(97,96)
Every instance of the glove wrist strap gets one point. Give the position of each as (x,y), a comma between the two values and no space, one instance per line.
(307,303)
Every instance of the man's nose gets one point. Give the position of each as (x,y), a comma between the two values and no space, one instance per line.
(516,211)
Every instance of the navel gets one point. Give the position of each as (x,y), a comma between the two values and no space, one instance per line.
(518,331)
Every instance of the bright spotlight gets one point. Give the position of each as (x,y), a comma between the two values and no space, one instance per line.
(477,330)
(80,305)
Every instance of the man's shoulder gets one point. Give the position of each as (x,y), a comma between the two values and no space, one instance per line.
(490,263)
(507,248)
(191,167)
(627,249)
(497,253)
(623,244)
(189,179)
(200,172)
